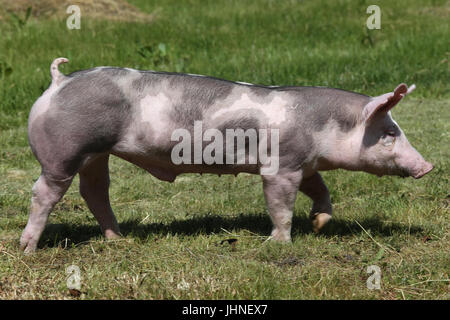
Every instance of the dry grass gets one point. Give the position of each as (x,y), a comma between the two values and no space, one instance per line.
(116,10)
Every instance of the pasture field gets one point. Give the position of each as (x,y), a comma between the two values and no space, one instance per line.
(172,245)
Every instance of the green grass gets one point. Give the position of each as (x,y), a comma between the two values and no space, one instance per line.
(172,232)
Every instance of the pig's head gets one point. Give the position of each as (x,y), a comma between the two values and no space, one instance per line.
(384,149)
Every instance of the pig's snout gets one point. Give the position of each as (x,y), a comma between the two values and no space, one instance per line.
(425,168)
(411,162)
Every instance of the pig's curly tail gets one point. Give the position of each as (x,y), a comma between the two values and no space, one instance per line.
(57,76)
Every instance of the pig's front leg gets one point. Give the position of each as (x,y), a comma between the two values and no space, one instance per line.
(280,191)
(321,211)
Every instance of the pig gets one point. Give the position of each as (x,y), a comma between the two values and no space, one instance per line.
(88,115)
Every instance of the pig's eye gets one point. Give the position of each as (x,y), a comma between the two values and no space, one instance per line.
(388,138)
(390,133)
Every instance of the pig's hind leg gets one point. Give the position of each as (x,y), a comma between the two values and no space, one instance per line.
(94,188)
(46,192)
(321,211)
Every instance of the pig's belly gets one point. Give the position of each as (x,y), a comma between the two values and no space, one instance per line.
(150,147)
(162,167)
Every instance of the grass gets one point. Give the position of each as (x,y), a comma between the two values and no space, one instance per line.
(171,247)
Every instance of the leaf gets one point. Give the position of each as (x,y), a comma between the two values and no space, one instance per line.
(145,51)
(5,69)
(28,14)
(379,254)
(162,49)
(19,21)
(15,18)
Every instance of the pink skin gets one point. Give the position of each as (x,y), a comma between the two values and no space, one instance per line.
(393,149)
(392,154)
(94,186)
(377,145)
(46,193)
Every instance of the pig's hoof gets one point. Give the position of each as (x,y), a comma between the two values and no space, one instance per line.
(319,220)
(280,236)
(29,250)
(112,235)
(27,245)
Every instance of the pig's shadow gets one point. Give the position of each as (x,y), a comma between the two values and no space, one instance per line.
(260,224)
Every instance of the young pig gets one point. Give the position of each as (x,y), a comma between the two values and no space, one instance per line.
(140,116)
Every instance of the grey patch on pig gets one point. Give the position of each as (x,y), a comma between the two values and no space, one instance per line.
(77,125)
(371,132)
(196,93)
(244,123)
(199,93)
(295,143)
(147,80)
(260,91)
(316,106)
(295,147)
(116,72)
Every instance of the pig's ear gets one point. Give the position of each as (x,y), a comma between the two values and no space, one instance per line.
(385,102)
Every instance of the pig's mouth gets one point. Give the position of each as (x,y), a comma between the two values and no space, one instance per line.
(404,174)
(427,168)
(416,172)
